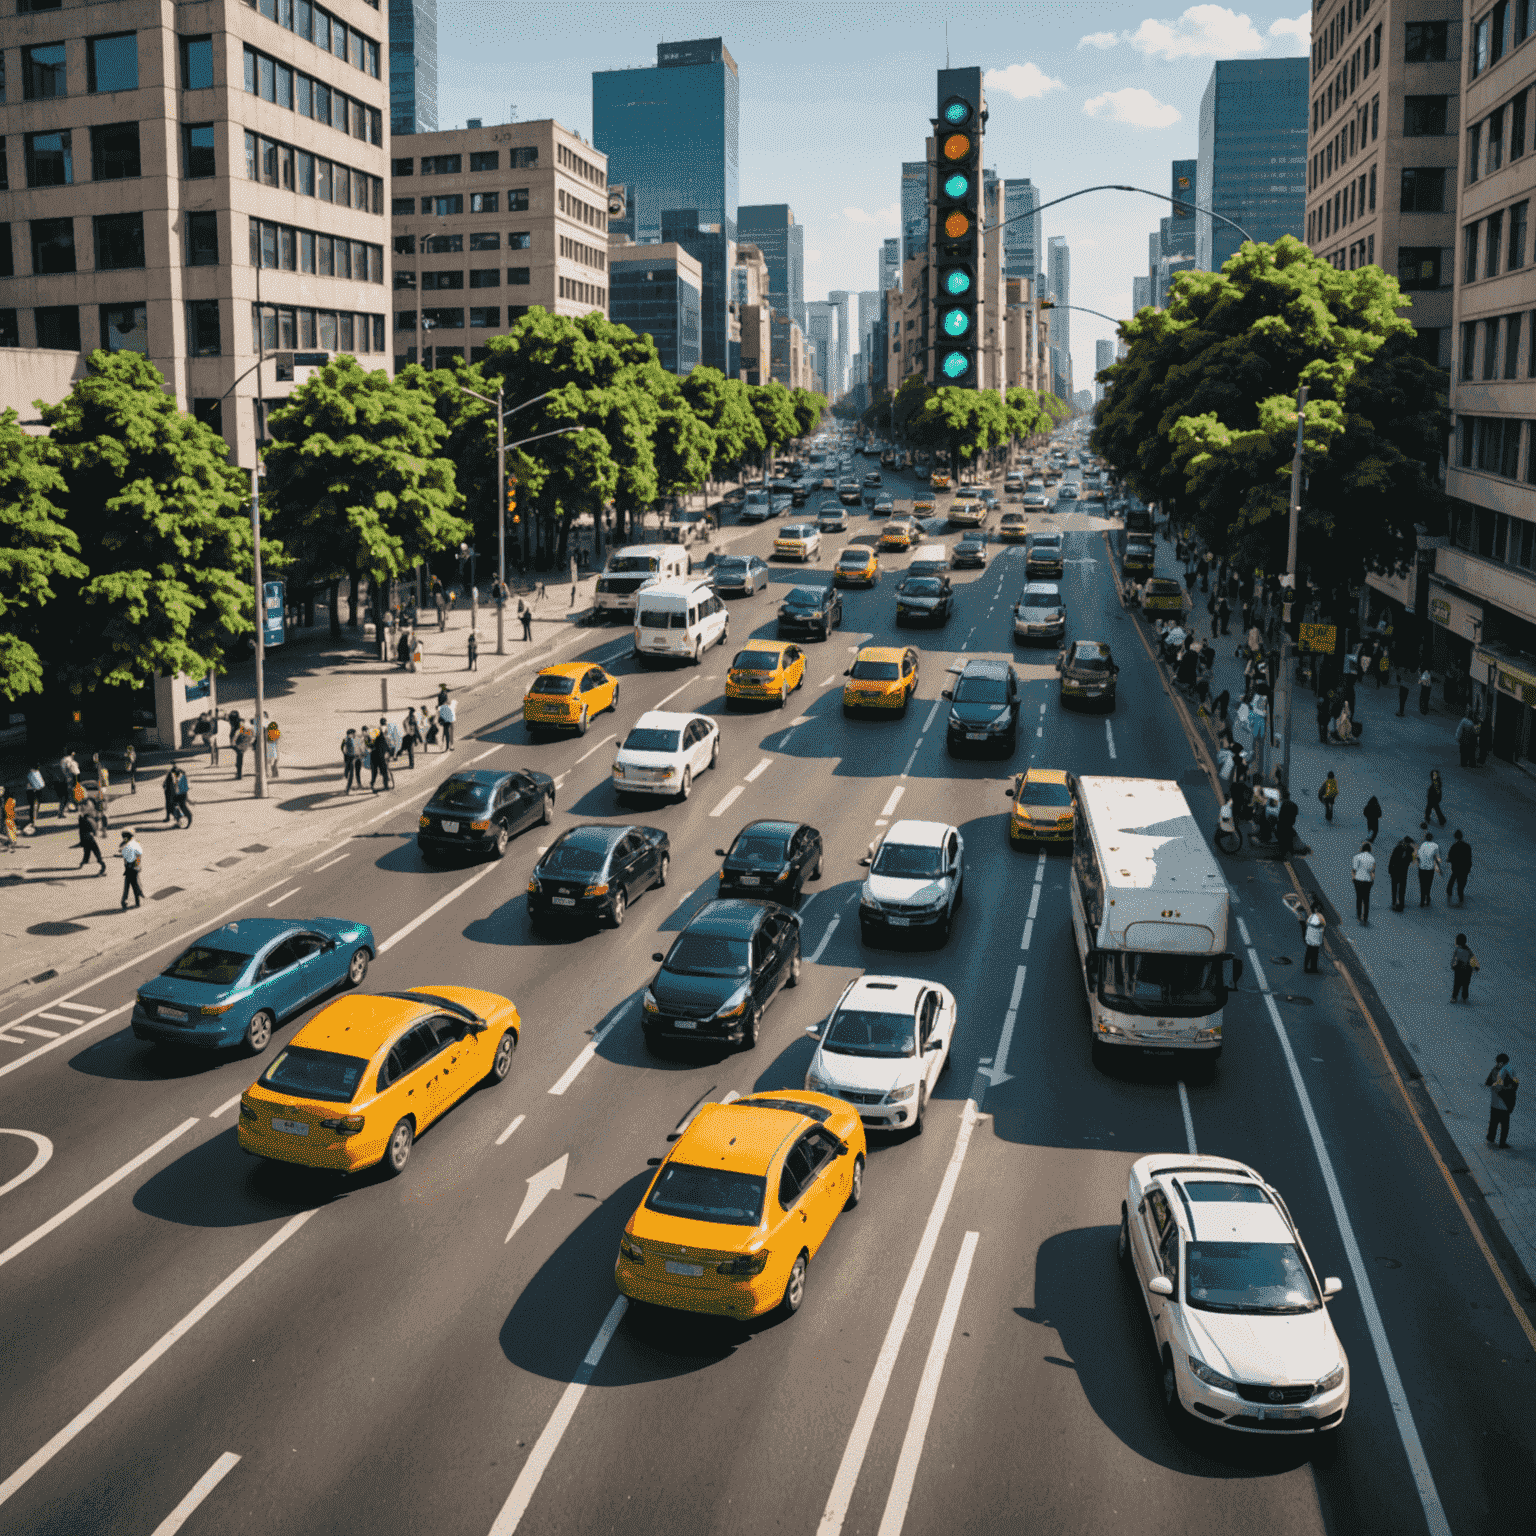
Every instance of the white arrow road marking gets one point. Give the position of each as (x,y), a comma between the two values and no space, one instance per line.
(997,1074)
(39,1158)
(540,1185)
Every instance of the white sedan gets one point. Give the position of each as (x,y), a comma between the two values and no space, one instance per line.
(883,1048)
(1239,1316)
(664,752)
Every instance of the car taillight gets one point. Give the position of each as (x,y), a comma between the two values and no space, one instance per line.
(247,1112)
(533,887)
(746,1264)
(632,1250)
(425,821)
(213,1010)
(348,1125)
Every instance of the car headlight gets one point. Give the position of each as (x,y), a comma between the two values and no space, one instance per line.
(1211,1378)
(425,821)
(1213,1033)
(618,770)
(1104,1027)
(648,1003)
(901,1095)
(866,900)
(735,1005)
(816,1083)
(1334,1378)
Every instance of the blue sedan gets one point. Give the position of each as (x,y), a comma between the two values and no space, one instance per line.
(236,984)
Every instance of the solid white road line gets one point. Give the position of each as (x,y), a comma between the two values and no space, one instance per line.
(1109,737)
(1402,1411)
(900,1496)
(337,860)
(434,909)
(727,800)
(829,681)
(286,894)
(933,714)
(79,1008)
(816,954)
(38,1233)
(548,1443)
(494,747)
(33,1029)
(598,748)
(894,800)
(756,772)
(226,1106)
(199,1491)
(104,1400)
(588,1051)
(502,1139)
(1189,1120)
(39,1158)
(848,1469)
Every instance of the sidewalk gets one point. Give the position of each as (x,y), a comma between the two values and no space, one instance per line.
(1407,955)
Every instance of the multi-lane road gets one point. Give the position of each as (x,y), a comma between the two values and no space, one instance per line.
(188,1336)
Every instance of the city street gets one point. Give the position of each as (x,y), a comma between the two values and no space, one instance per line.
(306,1354)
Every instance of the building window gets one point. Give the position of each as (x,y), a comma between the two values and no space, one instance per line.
(1490,349)
(1498,32)
(520,240)
(119,242)
(442,245)
(209,409)
(521,159)
(1495,140)
(197,63)
(1474,152)
(442,207)
(1423,116)
(1522,21)
(1423,190)
(1517,125)
(406,166)
(484,159)
(42,72)
(485,242)
(517,200)
(1469,254)
(53,248)
(1373,189)
(202,239)
(1517,223)
(1418,267)
(485,319)
(112,63)
(124,328)
(50,160)
(10,328)
(443,319)
(405,245)
(1495,240)
(517,277)
(1425,42)
(402,207)
(405,279)
(405,319)
(484,202)
(485,277)
(1512,324)
(431,281)
(115,152)
(58,328)
(441,165)
(1479,46)
(197,155)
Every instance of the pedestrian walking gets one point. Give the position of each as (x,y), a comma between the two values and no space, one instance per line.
(1466,741)
(1503,1086)
(1328,794)
(1373,816)
(69,776)
(1426,682)
(378,762)
(1383,668)
(525,613)
(131,852)
(432,730)
(1402,693)
(36,784)
(441,603)
(1286,830)
(473,648)
(206,731)
(244,741)
(232,719)
(1363,873)
(1325,714)
(86,841)
(1463,963)
(403,649)
(447,714)
(1344,726)
(351,760)
(1223,613)
(168,793)
(183,789)
(1432,798)
(410,736)
(1428,860)
(131,765)
(1313,937)
(8,809)
(1459,857)
(1399,862)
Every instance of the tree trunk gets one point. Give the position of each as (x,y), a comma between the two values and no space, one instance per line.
(334,604)
(352,601)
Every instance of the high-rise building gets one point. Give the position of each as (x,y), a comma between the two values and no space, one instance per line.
(1154,250)
(714,251)
(657,291)
(412,66)
(749,293)
(890,263)
(199,191)
(914,209)
(1022,244)
(671,133)
(869,314)
(821,321)
(1253,155)
(772,229)
(787,359)
(1059,279)
(846,342)
(1185,189)
(1141,293)
(1103,357)
(1384,116)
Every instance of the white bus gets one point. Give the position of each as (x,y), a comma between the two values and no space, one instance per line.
(1150,910)
(633,567)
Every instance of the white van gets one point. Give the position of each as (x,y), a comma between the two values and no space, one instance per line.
(635,566)
(679,618)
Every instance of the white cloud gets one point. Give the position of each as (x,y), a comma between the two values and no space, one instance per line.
(1133,106)
(1099,40)
(1024,82)
(1296,31)
(1203,31)
(888,215)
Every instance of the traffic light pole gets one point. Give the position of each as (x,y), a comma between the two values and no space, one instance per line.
(1287,680)
(501,527)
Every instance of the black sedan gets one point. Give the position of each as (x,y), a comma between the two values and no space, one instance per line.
(812,611)
(924,599)
(771,858)
(591,873)
(480,810)
(721,973)
(984,707)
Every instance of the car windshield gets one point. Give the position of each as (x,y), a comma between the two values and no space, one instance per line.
(756,848)
(756,661)
(571,859)
(856,559)
(708,1194)
(981,690)
(214,967)
(1090,661)
(921,586)
(907,861)
(1248,1277)
(731,563)
(709,954)
(462,794)
(804,597)
(891,528)
(1037,793)
(876,671)
(858,1032)
(553,682)
(1184,985)
(648,738)
(308,1074)
(622,563)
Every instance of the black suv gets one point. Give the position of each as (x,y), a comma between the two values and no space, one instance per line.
(721,973)
(1088,673)
(926,598)
(984,708)
(592,873)
(480,809)
(813,611)
(771,858)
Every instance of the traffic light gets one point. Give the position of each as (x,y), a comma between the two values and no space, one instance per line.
(512,499)
(958,214)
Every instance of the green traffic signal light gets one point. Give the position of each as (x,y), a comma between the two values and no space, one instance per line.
(955,365)
(956,322)
(955,282)
(956,112)
(957,186)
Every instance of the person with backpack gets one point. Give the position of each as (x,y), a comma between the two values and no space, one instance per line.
(1503,1086)
(87,843)
(378,761)
(1313,935)
(1328,794)
(351,760)
(1463,963)
(273,735)
(244,741)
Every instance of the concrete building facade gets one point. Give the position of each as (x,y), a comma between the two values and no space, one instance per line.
(890,264)
(788,359)
(753,311)
(821,319)
(657,291)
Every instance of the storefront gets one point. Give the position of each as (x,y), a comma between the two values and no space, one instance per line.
(1456,623)
(1509,680)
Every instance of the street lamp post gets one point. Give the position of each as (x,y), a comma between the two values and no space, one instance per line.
(1288,583)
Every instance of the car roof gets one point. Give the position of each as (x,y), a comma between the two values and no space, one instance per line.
(729,916)
(665,719)
(794,530)
(1045,775)
(1091,647)
(862,549)
(1163,583)
(248,936)
(817,592)
(360,1023)
(774,647)
(891,993)
(596,834)
(881,653)
(564,669)
(739,1138)
(918,834)
(770,828)
(1041,589)
(1048,536)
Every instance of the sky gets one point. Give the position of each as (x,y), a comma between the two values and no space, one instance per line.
(835,97)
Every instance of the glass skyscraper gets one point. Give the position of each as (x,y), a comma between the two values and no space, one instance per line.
(715,252)
(890,264)
(772,229)
(1022,245)
(914,209)
(413,66)
(1253,155)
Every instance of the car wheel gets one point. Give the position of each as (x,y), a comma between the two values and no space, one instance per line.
(499,847)
(501,1062)
(581,725)
(794,1288)
(856,1184)
(661,870)
(1170,1383)
(357,966)
(698,652)
(816,873)
(714,752)
(617,920)
(687,788)
(258,1033)
(753,1026)
(398,1153)
(793,979)
(547,814)
(1123,1247)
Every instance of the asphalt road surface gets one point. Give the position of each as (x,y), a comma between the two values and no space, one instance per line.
(190,1336)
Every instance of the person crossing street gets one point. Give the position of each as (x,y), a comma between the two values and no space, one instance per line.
(131,852)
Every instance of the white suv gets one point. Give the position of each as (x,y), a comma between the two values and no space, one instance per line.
(664,752)
(1239,1318)
(916,881)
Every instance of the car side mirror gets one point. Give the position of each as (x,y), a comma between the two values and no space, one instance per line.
(1160,1285)
(653,1162)
(658,957)
(847,671)
(719,853)
(1332,1286)
(948,693)
(1008,793)
(935,1045)
(813,1031)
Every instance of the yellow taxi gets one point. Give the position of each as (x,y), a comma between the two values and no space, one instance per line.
(897,534)
(741,1204)
(366,1076)
(857,566)
(1162,594)
(766,669)
(1044,807)
(565,697)
(881,677)
(939,480)
(1013,528)
(924,506)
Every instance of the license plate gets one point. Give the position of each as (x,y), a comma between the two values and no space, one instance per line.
(562,901)
(450,826)
(685,1023)
(290,1127)
(975,735)
(899,922)
(677,1267)
(749,880)
(172,1013)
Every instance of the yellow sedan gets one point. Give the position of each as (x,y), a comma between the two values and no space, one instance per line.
(857,566)
(764,670)
(882,677)
(897,534)
(1044,807)
(565,697)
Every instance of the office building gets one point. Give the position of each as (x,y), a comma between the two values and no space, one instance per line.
(1141,293)
(1184,188)
(162,180)
(1381,166)
(1059,279)
(914,209)
(750,296)
(846,343)
(869,314)
(1103,357)
(772,229)
(412,66)
(1253,155)
(890,263)
(788,355)
(1023,247)
(657,291)
(1154,250)
(821,334)
(1475,596)
(488,221)
(714,250)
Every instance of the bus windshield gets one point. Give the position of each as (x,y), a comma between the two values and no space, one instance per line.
(1180,986)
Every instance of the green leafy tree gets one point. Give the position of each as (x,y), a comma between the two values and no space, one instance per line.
(809,408)
(723,406)
(356,481)
(911,398)
(774,407)
(37,554)
(960,423)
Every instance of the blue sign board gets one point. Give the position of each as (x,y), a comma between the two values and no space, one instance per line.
(273,613)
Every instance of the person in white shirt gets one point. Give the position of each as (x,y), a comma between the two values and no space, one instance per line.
(1429,867)
(1316,922)
(131,852)
(447,713)
(1363,871)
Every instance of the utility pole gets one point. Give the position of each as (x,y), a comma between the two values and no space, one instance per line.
(501,526)
(1288,584)
(261,632)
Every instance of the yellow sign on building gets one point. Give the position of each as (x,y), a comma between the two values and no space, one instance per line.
(1318,637)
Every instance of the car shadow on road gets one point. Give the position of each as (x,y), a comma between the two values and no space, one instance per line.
(215,1184)
(125,1058)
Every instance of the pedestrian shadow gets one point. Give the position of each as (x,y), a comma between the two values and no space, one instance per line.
(217,1185)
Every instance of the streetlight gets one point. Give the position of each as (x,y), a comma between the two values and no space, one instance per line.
(1115,186)
(1288,585)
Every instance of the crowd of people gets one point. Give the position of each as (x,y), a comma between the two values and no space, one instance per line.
(379,746)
